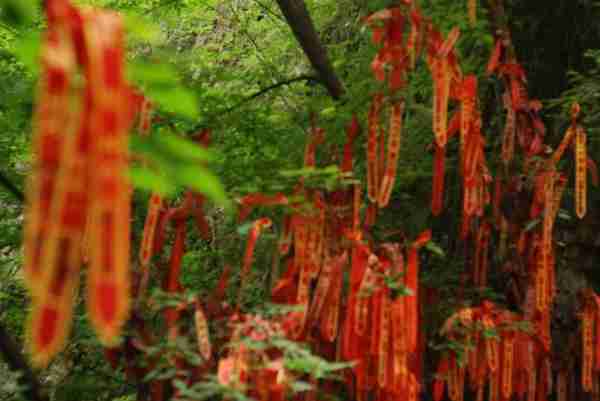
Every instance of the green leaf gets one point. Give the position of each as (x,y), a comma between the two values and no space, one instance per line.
(179,161)
(179,100)
(244,229)
(154,74)
(531,224)
(289,346)
(435,248)
(160,375)
(254,345)
(141,29)
(18,12)
(201,180)
(297,172)
(311,172)
(27,51)
(160,83)
(180,385)
(405,291)
(332,366)
(564,215)
(394,282)
(144,178)
(300,386)
(328,112)
(490,333)
(299,364)
(181,148)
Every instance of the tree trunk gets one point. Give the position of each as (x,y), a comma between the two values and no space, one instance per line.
(299,20)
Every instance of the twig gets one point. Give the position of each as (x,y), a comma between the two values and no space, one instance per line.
(259,53)
(220,113)
(270,88)
(10,187)
(269,10)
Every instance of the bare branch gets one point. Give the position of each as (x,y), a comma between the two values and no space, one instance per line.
(12,188)
(270,88)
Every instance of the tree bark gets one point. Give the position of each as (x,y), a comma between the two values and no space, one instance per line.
(299,20)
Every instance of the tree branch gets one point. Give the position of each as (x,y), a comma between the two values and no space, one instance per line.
(256,95)
(299,20)
(15,360)
(12,188)
(272,87)
(269,11)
